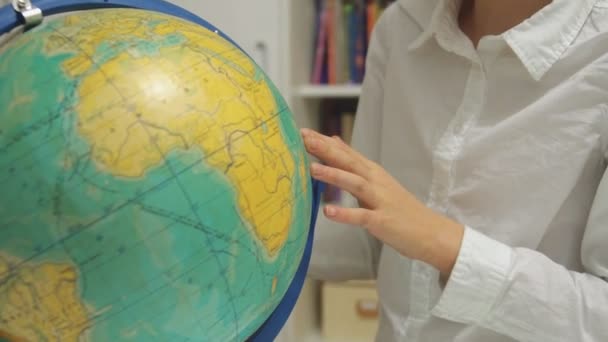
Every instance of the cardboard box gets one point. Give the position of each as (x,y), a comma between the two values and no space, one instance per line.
(349,312)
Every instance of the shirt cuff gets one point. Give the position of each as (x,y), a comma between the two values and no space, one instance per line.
(477,280)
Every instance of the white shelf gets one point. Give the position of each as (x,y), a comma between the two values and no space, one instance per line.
(328,91)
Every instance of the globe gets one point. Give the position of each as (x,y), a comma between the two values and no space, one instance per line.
(154,186)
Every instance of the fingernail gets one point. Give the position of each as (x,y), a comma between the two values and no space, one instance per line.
(305,132)
(330,211)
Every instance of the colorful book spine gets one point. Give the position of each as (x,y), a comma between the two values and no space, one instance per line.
(343,29)
(360,41)
(372,16)
(332,30)
(321,43)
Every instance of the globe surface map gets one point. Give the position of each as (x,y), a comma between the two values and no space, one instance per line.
(153,184)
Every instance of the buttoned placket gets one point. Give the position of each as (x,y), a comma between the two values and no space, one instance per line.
(425,279)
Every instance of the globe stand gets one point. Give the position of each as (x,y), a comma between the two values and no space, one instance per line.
(30,13)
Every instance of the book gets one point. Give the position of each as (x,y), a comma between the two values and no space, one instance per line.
(372,16)
(360,41)
(332,46)
(343,29)
(321,42)
(341,57)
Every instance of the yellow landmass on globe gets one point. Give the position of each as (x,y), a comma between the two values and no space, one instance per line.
(202,93)
(40,303)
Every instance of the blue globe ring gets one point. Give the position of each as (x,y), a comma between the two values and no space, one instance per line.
(9,20)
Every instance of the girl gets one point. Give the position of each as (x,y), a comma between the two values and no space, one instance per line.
(478,159)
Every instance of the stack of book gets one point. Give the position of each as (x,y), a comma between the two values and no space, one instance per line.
(342,33)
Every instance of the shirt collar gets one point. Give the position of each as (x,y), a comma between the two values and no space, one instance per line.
(538,42)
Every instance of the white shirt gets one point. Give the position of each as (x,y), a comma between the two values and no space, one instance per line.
(510,140)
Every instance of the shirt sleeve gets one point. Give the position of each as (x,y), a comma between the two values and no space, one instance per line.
(523,294)
(344,252)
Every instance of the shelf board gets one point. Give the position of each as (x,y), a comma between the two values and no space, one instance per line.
(329,91)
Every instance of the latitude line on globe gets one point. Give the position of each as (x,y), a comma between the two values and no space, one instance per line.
(173,173)
(266,150)
(99,318)
(208,155)
(180,72)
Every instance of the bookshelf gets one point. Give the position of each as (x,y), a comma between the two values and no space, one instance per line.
(307,100)
(315,91)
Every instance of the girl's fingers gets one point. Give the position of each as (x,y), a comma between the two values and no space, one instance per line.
(353,216)
(334,153)
(354,184)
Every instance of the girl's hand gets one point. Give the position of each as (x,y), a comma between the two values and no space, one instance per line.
(387,210)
